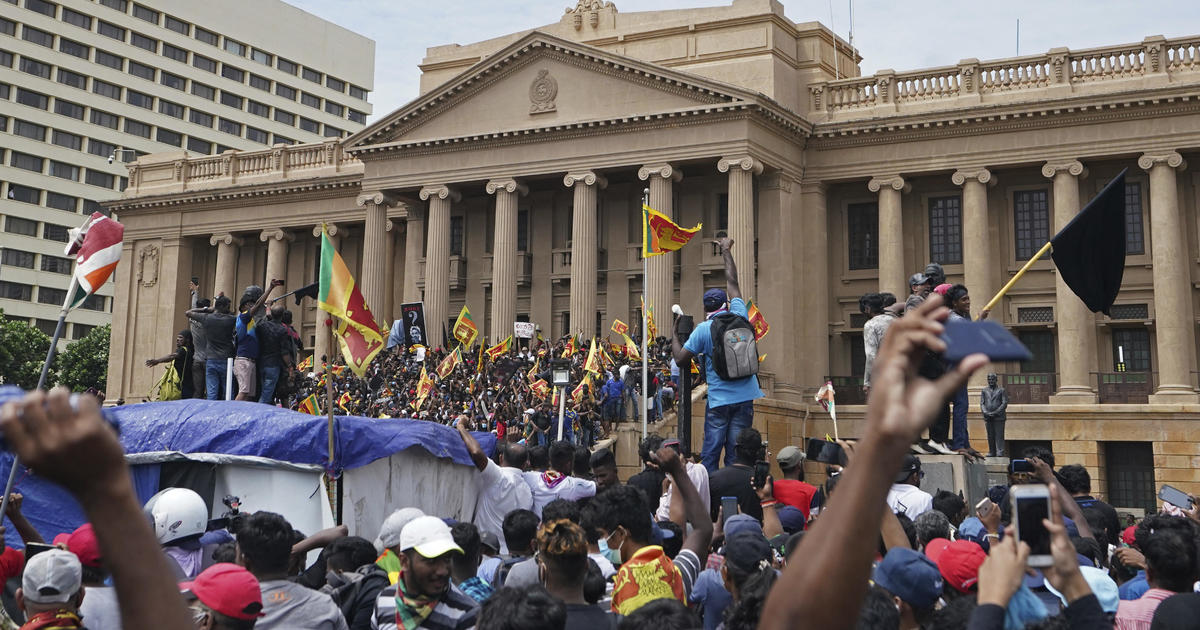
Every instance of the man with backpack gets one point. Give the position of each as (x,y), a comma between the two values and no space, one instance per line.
(726,339)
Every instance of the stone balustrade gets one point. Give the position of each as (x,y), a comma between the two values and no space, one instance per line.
(175,171)
(1155,62)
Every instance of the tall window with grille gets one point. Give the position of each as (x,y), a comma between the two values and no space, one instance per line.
(862,230)
(1041,344)
(945,230)
(1134,345)
(456,236)
(1031,217)
(1129,468)
(1135,236)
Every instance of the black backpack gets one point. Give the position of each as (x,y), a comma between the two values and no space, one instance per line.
(735,353)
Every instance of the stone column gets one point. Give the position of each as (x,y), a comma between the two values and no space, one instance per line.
(659,282)
(741,216)
(1173,324)
(395,262)
(892,272)
(414,234)
(978,262)
(321,332)
(1076,324)
(779,214)
(277,254)
(811,270)
(227,259)
(504,256)
(376,272)
(585,243)
(437,259)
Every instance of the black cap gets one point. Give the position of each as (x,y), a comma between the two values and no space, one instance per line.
(911,465)
(917,279)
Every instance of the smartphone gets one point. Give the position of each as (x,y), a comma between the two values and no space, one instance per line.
(825,452)
(1031,504)
(1020,466)
(673,443)
(761,470)
(983,503)
(729,507)
(1176,497)
(965,338)
(33,549)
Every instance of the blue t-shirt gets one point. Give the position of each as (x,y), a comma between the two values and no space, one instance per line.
(722,392)
(709,594)
(1134,588)
(247,336)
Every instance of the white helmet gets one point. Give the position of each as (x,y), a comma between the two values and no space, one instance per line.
(176,513)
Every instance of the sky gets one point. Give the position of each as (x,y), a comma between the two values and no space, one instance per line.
(901,35)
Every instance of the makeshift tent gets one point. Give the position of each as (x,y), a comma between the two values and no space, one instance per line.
(273,460)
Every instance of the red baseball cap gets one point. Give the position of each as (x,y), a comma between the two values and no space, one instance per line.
(228,589)
(957,561)
(82,542)
(1127,535)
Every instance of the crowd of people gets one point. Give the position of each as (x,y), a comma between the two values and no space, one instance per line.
(557,540)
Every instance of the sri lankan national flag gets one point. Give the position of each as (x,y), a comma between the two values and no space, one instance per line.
(533,371)
(592,364)
(344,401)
(499,349)
(309,405)
(761,327)
(465,329)
(650,326)
(448,364)
(570,349)
(631,349)
(620,327)
(357,332)
(541,388)
(424,386)
(577,393)
(306,364)
(661,235)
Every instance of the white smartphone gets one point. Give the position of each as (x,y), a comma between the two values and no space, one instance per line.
(1031,504)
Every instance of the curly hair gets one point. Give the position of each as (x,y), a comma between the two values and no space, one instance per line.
(563,549)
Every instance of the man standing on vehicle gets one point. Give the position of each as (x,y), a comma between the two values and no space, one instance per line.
(731,392)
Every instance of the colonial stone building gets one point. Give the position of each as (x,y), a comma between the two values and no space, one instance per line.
(513,185)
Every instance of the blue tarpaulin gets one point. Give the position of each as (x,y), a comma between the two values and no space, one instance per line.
(238,429)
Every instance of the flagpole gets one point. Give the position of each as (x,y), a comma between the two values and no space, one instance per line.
(1041,252)
(645,412)
(62,318)
(329,412)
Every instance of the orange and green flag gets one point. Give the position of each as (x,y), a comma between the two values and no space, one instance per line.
(465,329)
(661,235)
(592,364)
(309,405)
(357,331)
(761,327)
(499,349)
(448,364)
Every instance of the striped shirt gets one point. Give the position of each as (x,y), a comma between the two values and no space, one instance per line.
(455,611)
(1137,614)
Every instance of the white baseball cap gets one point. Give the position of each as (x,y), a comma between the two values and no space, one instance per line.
(52,577)
(429,536)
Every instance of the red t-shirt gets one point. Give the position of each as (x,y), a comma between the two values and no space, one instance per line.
(797,494)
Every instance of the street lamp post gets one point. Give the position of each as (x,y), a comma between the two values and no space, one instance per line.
(560,370)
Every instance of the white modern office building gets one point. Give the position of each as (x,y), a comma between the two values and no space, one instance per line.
(87,85)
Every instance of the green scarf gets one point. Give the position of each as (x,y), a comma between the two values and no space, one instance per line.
(389,562)
(412,611)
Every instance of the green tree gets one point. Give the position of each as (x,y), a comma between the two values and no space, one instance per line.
(22,352)
(84,363)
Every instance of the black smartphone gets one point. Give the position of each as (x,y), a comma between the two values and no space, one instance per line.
(964,338)
(825,452)
(33,549)
(761,470)
(1020,466)
(729,507)
(1176,497)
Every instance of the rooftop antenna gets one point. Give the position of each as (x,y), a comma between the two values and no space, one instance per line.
(1018,37)
(837,58)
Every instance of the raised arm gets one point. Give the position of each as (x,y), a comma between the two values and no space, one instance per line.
(25,529)
(478,457)
(262,299)
(902,403)
(75,448)
(731,278)
(702,527)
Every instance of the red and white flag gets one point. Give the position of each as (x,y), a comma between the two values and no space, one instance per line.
(96,246)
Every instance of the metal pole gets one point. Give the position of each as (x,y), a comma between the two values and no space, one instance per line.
(337,506)
(645,320)
(562,410)
(229,379)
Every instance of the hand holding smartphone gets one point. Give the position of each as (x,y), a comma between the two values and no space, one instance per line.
(1176,497)
(1031,505)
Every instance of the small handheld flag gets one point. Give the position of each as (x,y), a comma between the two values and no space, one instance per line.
(761,327)
(448,364)
(498,350)
(96,246)
(465,329)
(309,405)
(620,327)
(661,235)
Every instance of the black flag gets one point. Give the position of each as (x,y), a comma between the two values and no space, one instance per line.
(306,291)
(1090,251)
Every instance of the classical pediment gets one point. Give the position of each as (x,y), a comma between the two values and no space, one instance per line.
(541,81)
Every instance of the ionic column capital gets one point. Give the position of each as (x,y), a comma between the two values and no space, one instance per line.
(276,233)
(225,239)
(895,182)
(390,225)
(378,198)
(441,191)
(1171,158)
(982,175)
(509,185)
(331,228)
(1070,167)
(589,178)
(744,162)
(665,171)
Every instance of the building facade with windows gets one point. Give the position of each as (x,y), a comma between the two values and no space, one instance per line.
(88,85)
(514,183)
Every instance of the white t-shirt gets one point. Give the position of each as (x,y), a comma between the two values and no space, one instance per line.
(501,490)
(569,488)
(909,500)
(699,476)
